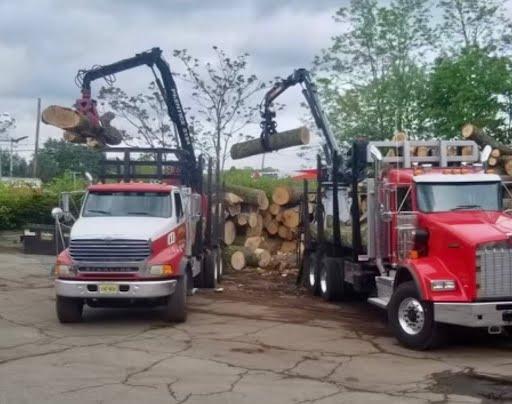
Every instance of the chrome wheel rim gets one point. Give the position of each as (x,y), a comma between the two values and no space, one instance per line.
(411,316)
(312,275)
(216,269)
(323,280)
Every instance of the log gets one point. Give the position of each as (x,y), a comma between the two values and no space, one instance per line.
(271,244)
(281,140)
(229,232)
(495,153)
(256,230)
(234,210)
(466,151)
(65,118)
(291,217)
(284,195)
(422,151)
(253,242)
(493,161)
(274,208)
(272,227)
(397,137)
(267,218)
(242,219)
(232,199)
(263,257)
(471,132)
(285,233)
(251,196)
(240,257)
(288,246)
(507,164)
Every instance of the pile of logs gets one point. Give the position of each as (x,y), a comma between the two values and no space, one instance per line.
(500,160)
(258,230)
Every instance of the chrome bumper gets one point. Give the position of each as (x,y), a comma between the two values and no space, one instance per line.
(126,289)
(481,314)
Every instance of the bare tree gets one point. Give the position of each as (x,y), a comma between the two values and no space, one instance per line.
(223,92)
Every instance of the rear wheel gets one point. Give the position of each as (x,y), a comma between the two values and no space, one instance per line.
(331,279)
(311,273)
(176,309)
(69,310)
(412,319)
(210,272)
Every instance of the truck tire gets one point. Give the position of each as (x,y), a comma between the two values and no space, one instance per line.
(209,269)
(331,279)
(412,319)
(69,310)
(311,273)
(176,309)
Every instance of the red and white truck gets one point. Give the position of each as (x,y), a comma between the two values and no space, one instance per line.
(137,242)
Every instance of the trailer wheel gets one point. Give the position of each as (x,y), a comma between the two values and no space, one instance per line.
(210,269)
(412,319)
(69,310)
(311,273)
(331,279)
(176,309)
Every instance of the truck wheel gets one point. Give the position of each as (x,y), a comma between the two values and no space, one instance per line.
(69,310)
(176,310)
(311,273)
(209,269)
(412,319)
(331,279)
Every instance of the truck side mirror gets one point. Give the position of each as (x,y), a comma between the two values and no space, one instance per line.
(375,153)
(486,153)
(57,213)
(88,176)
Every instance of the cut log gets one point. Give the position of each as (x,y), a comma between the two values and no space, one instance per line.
(256,230)
(253,242)
(251,196)
(282,140)
(242,219)
(284,195)
(229,232)
(272,227)
(263,257)
(493,161)
(285,233)
(232,199)
(291,217)
(271,244)
(466,151)
(267,218)
(288,246)
(65,118)
(237,260)
(397,137)
(240,257)
(234,210)
(495,153)
(507,164)
(274,208)
(471,132)
(422,151)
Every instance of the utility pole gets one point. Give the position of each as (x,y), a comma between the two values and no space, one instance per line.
(36,149)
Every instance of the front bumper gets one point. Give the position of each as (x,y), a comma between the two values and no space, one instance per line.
(481,314)
(117,289)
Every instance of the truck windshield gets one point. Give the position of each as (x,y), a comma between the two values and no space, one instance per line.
(444,197)
(152,204)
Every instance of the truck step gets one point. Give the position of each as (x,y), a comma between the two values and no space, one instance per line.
(379,301)
(384,286)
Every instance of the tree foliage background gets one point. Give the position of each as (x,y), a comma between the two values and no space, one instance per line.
(395,66)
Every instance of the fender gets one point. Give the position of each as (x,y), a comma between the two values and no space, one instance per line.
(424,270)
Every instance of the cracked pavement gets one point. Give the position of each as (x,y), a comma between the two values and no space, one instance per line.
(240,346)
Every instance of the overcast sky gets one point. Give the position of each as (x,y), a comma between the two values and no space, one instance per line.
(44,42)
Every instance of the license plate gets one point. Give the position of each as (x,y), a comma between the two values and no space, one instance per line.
(108,288)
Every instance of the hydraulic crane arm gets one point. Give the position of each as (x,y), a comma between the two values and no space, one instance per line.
(166,84)
(302,77)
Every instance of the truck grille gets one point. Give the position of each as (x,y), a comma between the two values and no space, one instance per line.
(87,250)
(494,272)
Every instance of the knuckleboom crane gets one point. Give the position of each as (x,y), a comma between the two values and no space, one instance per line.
(86,105)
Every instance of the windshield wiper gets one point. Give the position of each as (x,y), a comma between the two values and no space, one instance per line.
(462,207)
(139,213)
(103,212)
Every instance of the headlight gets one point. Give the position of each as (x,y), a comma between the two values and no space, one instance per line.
(161,270)
(443,285)
(64,270)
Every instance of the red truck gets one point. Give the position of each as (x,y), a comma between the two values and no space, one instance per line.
(432,245)
(145,234)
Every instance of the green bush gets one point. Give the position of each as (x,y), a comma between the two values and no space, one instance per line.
(242,177)
(21,204)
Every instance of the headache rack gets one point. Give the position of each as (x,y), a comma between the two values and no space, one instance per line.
(441,153)
(140,163)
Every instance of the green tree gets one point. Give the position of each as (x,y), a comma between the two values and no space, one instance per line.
(473,87)
(19,164)
(475,24)
(57,157)
(373,75)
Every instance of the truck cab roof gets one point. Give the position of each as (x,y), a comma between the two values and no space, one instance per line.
(131,187)
(406,176)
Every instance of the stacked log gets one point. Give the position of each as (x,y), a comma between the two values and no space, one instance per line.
(500,160)
(257,230)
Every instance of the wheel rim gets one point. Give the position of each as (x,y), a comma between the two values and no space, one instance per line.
(411,316)
(221,268)
(312,279)
(215,269)
(323,280)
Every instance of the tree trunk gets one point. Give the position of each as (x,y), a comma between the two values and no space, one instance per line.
(282,140)
(232,199)
(251,196)
(284,195)
(471,132)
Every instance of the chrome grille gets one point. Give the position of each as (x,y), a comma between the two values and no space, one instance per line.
(494,272)
(98,250)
